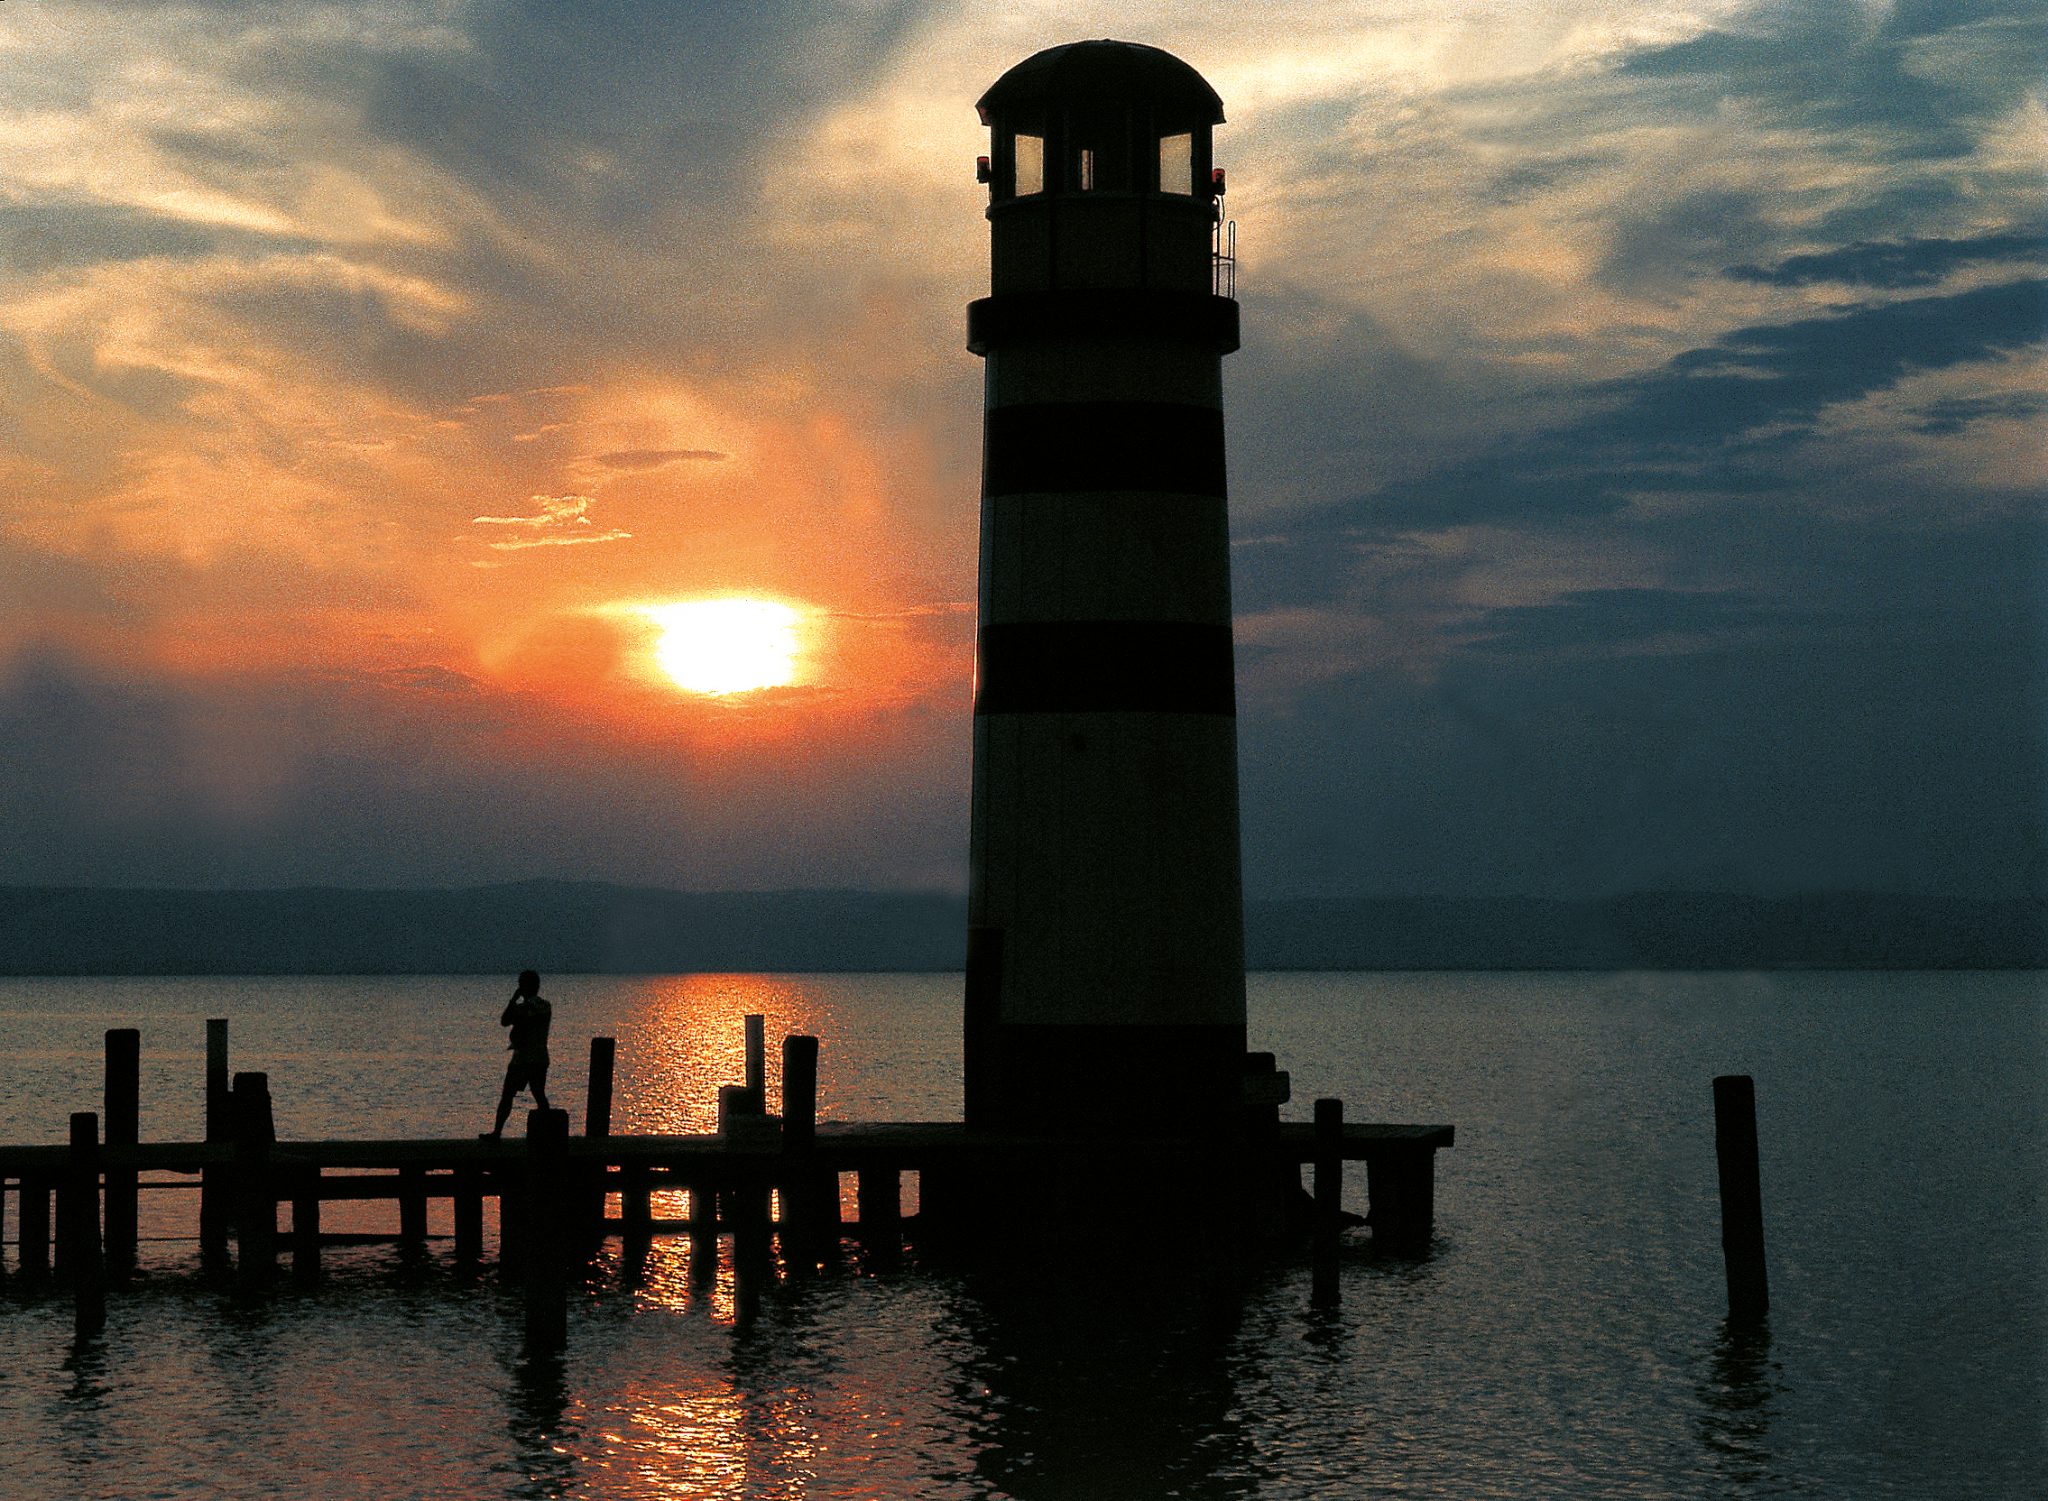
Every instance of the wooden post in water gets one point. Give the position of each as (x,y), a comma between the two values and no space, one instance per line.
(757,1060)
(879,1192)
(78,1223)
(1742,1199)
(469,1216)
(703,1230)
(636,1204)
(1329,1194)
(802,1191)
(214,1211)
(547,1228)
(124,1131)
(306,1226)
(597,1124)
(1401,1182)
(33,1220)
(412,1209)
(255,1194)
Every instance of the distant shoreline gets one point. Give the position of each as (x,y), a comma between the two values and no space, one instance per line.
(594,928)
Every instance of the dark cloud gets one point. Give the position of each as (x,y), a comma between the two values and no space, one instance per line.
(1623,618)
(1896,263)
(1959,412)
(1842,63)
(1681,236)
(1718,418)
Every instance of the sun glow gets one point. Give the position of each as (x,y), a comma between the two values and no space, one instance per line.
(720,646)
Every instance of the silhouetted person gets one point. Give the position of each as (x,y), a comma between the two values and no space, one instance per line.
(528,1015)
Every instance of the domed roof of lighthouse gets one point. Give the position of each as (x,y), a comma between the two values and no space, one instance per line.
(1106,70)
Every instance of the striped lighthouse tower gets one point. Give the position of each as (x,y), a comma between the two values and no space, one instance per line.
(1105,986)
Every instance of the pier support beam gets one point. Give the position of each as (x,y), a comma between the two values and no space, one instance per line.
(1329,1192)
(546,1261)
(757,1058)
(879,1192)
(412,1209)
(805,1187)
(306,1226)
(79,1259)
(1401,1185)
(33,1218)
(597,1125)
(215,1213)
(703,1223)
(124,1132)
(469,1217)
(255,1193)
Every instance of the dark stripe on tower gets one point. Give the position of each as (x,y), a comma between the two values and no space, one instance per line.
(1101,313)
(1103,445)
(1105,666)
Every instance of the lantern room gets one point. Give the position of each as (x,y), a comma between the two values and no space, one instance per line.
(1100,172)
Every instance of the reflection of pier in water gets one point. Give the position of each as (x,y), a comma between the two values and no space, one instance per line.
(787,1188)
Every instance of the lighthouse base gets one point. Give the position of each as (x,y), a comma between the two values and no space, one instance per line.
(1133,1081)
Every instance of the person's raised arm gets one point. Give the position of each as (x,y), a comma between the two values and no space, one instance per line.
(511,1011)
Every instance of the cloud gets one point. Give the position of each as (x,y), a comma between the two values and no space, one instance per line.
(1718,418)
(553,525)
(1959,412)
(1898,263)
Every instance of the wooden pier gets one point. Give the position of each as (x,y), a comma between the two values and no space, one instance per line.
(769,1181)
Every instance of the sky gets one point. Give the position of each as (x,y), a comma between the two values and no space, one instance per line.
(1636,453)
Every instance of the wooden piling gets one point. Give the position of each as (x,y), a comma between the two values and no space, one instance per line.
(636,1205)
(33,1222)
(255,1194)
(757,1058)
(799,1093)
(306,1226)
(1329,1195)
(412,1208)
(879,1193)
(215,1212)
(1401,1185)
(703,1230)
(124,1133)
(752,1230)
(597,1124)
(469,1216)
(804,1186)
(547,1230)
(1742,1201)
(79,1258)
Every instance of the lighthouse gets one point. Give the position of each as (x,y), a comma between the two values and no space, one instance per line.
(1105,984)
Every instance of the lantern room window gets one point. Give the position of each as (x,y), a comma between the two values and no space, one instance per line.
(1030,165)
(1177,164)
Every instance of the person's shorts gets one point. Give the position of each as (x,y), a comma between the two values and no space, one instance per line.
(527,1071)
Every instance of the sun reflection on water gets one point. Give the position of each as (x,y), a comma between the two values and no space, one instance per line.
(687,1037)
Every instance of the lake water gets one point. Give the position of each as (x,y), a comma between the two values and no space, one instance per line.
(1563,1339)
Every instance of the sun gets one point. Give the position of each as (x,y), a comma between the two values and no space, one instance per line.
(720,646)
